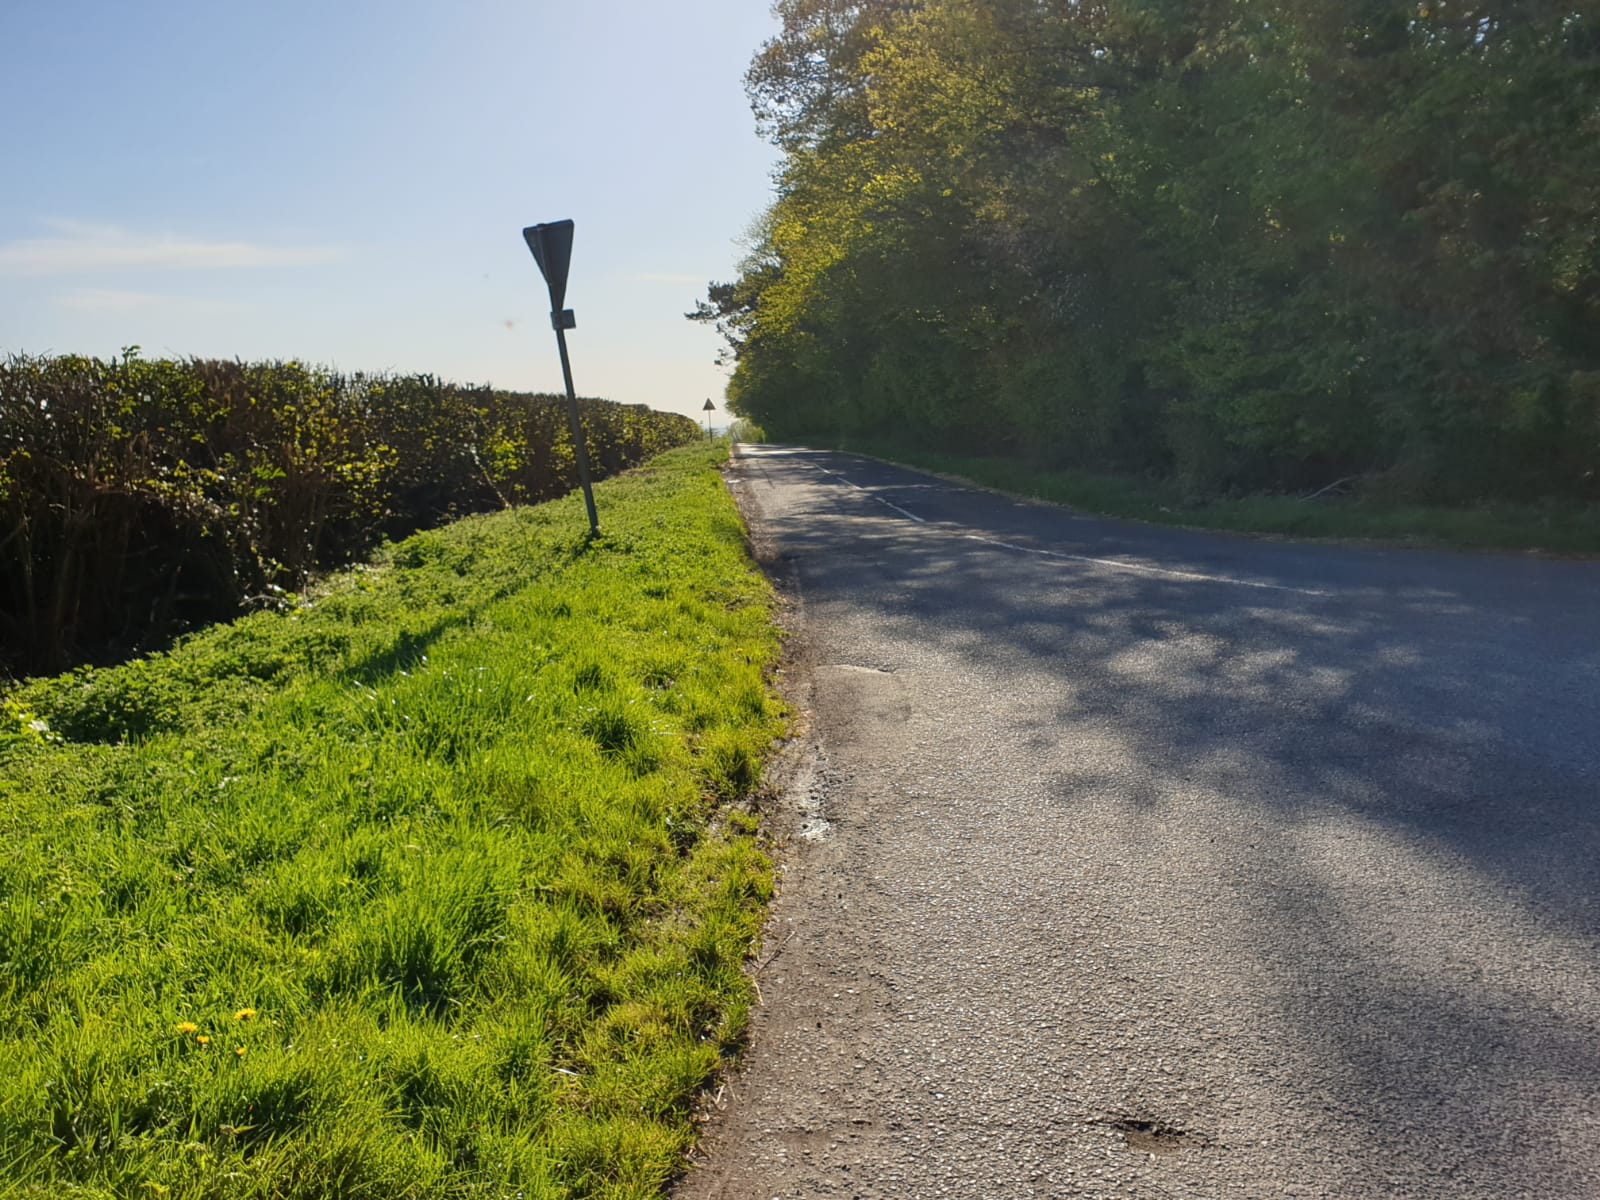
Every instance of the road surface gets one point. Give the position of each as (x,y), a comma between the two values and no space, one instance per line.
(1137,862)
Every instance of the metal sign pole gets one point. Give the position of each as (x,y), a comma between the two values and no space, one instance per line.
(551,244)
(578,446)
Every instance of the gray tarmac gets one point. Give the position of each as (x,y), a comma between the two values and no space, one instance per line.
(1123,861)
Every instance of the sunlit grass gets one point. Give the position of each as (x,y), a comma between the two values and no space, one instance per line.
(422,890)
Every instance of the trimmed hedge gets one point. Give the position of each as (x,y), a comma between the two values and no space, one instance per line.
(141,498)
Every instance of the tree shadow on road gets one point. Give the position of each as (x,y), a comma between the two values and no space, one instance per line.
(1444,709)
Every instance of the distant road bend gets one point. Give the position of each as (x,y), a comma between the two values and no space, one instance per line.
(1136,862)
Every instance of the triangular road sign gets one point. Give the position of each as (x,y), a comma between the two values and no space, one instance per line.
(551,244)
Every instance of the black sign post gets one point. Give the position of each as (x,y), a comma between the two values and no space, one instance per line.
(708,409)
(551,244)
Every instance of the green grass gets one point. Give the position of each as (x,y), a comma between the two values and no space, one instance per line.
(438,886)
(1556,529)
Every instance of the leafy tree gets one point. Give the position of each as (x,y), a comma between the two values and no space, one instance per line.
(1255,244)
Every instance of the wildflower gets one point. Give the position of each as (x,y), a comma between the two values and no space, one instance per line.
(239,1051)
(186,1027)
(245,1014)
(202,1039)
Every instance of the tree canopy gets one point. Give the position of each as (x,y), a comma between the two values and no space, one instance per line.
(1253,244)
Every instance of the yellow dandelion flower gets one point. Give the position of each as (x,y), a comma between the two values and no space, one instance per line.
(186,1027)
(245,1014)
(239,1050)
(202,1039)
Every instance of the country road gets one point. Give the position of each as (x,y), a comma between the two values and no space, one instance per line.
(1136,862)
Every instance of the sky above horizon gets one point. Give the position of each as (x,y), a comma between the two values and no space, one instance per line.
(346,184)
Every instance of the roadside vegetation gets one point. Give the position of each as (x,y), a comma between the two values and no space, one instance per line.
(1553,527)
(142,498)
(742,429)
(437,884)
(1243,247)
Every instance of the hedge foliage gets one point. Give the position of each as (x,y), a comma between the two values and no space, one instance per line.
(139,498)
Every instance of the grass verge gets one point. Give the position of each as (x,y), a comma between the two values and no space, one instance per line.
(1555,529)
(435,887)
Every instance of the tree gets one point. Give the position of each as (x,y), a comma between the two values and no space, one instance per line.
(1255,244)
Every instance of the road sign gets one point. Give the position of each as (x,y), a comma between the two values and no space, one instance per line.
(551,244)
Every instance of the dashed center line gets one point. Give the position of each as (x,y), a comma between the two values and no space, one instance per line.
(1118,564)
(901,511)
(874,496)
(1113,563)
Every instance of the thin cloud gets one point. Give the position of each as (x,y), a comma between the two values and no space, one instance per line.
(77,248)
(111,300)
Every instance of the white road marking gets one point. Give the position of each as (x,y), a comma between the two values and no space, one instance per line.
(903,512)
(1119,565)
(1114,564)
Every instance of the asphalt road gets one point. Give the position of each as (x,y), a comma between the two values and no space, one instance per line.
(1135,862)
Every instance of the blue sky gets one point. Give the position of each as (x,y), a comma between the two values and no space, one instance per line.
(345,182)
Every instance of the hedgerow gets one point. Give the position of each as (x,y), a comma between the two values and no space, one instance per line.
(139,498)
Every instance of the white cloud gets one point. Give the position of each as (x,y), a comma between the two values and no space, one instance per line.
(75,248)
(111,300)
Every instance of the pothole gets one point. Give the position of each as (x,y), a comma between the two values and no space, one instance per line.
(808,793)
(1155,1137)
